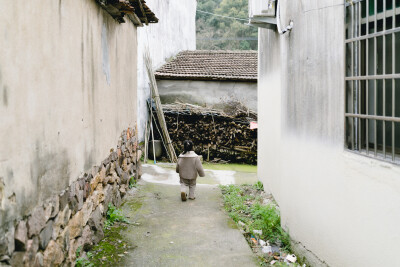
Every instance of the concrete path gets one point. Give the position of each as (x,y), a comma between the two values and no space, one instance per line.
(175,233)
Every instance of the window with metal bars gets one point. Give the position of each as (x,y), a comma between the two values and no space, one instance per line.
(372,78)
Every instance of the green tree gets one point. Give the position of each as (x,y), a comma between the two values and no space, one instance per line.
(215,32)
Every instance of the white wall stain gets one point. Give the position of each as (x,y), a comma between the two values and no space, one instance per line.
(105,55)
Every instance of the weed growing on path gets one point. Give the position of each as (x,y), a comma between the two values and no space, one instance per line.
(113,247)
(82,261)
(114,215)
(132,182)
(259,186)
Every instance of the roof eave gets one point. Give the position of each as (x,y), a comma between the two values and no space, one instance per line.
(202,78)
(136,10)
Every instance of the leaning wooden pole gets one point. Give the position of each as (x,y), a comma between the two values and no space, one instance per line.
(160,114)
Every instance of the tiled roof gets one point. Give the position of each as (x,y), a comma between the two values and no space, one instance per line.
(211,65)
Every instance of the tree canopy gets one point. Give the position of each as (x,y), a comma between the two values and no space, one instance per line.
(223,33)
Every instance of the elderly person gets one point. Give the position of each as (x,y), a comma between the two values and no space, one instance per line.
(188,166)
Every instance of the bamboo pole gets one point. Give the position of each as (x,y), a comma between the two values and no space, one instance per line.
(160,114)
(146,139)
(152,137)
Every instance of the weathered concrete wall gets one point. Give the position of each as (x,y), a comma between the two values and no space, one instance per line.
(175,32)
(68,84)
(208,93)
(341,206)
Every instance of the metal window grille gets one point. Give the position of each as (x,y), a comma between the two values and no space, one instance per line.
(372,78)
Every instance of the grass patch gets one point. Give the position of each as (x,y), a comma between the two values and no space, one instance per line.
(110,250)
(249,207)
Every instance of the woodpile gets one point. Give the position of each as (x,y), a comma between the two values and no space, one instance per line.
(217,136)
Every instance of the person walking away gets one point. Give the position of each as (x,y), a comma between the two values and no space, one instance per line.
(188,167)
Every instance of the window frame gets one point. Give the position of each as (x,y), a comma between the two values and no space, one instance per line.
(355,133)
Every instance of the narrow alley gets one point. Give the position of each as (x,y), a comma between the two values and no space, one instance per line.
(164,231)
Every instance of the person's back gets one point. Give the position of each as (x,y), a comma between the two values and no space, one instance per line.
(188,167)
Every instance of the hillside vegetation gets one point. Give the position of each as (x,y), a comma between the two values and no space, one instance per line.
(221,33)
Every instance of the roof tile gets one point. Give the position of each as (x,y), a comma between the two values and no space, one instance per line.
(211,65)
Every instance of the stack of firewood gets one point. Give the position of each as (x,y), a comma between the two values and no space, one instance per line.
(217,137)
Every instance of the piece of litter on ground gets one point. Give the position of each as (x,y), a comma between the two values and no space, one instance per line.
(147,234)
(273,262)
(275,249)
(259,232)
(121,255)
(126,252)
(241,223)
(267,249)
(262,242)
(171,242)
(291,258)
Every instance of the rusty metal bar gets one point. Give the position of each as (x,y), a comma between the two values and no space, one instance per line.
(374,77)
(373,117)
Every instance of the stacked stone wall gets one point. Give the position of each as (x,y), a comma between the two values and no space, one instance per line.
(51,234)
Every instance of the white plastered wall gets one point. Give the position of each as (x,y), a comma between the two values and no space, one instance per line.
(175,32)
(343,207)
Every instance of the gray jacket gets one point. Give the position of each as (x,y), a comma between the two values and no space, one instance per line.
(189,165)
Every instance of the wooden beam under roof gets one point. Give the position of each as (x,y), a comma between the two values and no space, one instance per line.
(135,19)
(144,13)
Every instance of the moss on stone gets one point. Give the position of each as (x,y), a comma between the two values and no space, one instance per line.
(112,247)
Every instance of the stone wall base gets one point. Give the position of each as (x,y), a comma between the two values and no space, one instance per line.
(53,231)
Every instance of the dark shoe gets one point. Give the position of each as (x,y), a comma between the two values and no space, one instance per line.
(183,196)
